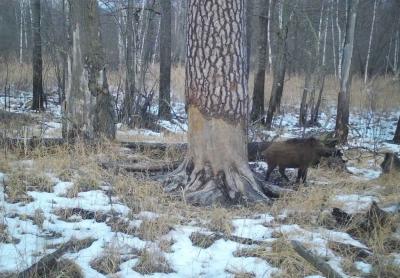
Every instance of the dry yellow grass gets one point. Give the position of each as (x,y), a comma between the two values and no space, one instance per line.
(382,93)
(154,229)
(281,254)
(152,261)
(109,261)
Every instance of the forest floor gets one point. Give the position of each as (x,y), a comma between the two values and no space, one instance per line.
(123,224)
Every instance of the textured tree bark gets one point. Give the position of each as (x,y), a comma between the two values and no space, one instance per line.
(342,116)
(257,110)
(37,63)
(164,111)
(129,100)
(249,30)
(216,169)
(396,138)
(89,109)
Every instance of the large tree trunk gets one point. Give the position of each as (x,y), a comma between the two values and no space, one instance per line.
(129,100)
(216,167)
(249,31)
(89,110)
(164,111)
(396,138)
(342,116)
(259,78)
(37,63)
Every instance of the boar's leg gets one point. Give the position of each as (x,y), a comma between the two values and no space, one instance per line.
(302,175)
(282,172)
(271,167)
(299,174)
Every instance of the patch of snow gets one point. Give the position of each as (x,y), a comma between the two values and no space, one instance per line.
(352,203)
(396,258)
(147,215)
(367,174)
(61,188)
(253,228)
(363,267)
(174,126)
(393,208)
(191,261)
(387,147)
(143,132)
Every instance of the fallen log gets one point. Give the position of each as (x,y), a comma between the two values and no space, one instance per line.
(314,260)
(141,167)
(347,249)
(39,268)
(362,223)
(30,143)
(204,240)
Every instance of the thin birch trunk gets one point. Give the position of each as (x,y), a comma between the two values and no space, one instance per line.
(21,32)
(342,116)
(269,37)
(396,53)
(340,47)
(370,42)
(164,105)
(333,40)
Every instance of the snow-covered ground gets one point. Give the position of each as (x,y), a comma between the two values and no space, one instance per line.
(29,241)
(32,242)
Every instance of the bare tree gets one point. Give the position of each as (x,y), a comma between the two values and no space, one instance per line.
(164,111)
(370,42)
(216,167)
(89,110)
(342,116)
(129,100)
(259,78)
(37,63)
(280,32)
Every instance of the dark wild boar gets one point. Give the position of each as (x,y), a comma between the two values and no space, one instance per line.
(295,153)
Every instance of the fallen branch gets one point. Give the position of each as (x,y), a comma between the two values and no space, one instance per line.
(314,260)
(157,146)
(39,268)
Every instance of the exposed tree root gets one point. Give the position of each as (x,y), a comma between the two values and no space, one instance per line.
(233,185)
